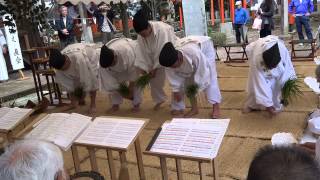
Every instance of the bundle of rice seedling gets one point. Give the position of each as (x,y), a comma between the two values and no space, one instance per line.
(79,93)
(290,90)
(143,81)
(191,92)
(123,90)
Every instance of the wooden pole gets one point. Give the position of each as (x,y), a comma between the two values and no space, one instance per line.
(222,11)
(212,12)
(124,17)
(244,3)
(232,9)
(181,16)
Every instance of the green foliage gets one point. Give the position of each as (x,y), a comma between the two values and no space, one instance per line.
(143,81)
(79,93)
(27,12)
(290,90)
(123,90)
(191,92)
(218,38)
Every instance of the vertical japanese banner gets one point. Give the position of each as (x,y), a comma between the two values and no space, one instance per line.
(194,15)
(13,44)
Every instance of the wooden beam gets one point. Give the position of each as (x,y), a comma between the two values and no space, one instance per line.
(232,10)
(222,11)
(212,11)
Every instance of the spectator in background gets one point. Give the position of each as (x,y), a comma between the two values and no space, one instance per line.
(303,9)
(104,16)
(266,12)
(240,19)
(283,163)
(65,28)
(32,160)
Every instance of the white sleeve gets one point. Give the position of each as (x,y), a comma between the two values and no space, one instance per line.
(107,81)
(176,82)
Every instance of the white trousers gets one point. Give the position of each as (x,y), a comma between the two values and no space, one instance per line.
(212,93)
(276,95)
(117,99)
(157,84)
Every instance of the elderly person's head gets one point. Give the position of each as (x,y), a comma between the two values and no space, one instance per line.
(64,11)
(32,160)
(283,163)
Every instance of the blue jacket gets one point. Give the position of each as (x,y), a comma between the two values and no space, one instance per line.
(240,16)
(100,19)
(301,8)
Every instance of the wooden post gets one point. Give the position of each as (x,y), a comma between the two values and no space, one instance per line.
(139,159)
(181,16)
(200,170)
(124,17)
(244,3)
(212,11)
(284,17)
(232,10)
(124,171)
(93,159)
(215,169)
(111,165)
(222,11)
(75,157)
(179,169)
(164,171)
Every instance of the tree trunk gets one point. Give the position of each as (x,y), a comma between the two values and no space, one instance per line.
(124,17)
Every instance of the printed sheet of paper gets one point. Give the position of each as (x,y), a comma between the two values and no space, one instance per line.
(199,138)
(60,128)
(312,84)
(111,132)
(9,117)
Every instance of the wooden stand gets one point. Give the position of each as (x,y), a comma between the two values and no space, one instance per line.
(311,49)
(122,153)
(178,158)
(22,77)
(242,51)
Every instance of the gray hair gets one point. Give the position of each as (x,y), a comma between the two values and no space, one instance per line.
(31,160)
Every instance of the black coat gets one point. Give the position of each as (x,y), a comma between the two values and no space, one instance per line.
(267,15)
(69,26)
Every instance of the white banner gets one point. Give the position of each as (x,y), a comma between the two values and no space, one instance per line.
(13,44)
(194,17)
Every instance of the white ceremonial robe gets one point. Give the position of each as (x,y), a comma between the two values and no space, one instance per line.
(3,66)
(148,52)
(83,70)
(123,71)
(198,67)
(264,86)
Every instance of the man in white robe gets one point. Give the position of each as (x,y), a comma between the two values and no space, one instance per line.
(77,67)
(191,61)
(116,67)
(3,66)
(151,38)
(270,67)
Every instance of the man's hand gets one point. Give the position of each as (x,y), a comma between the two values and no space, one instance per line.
(177,96)
(307,14)
(65,31)
(294,15)
(153,73)
(141,71)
